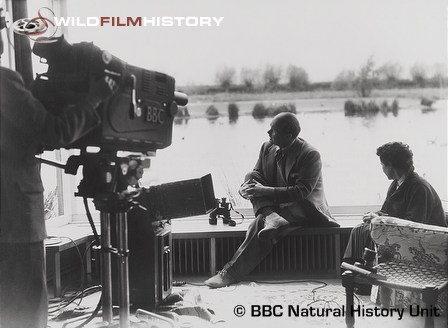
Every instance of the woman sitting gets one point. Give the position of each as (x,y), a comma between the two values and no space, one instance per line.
(409,197)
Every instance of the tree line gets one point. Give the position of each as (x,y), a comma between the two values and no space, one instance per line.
(294,78)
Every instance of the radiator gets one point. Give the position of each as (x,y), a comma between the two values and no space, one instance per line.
(305,254)
(191,256)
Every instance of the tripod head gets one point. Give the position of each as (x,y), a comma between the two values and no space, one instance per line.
(106,178)
(105,175)
(105,172)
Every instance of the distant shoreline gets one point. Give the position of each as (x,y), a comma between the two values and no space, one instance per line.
(315,101)
(438,93)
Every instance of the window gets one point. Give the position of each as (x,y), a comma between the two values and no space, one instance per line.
(229,148)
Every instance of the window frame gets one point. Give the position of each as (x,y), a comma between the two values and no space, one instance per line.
(69,210)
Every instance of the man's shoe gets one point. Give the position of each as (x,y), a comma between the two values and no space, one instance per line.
(221,279)
(272,223)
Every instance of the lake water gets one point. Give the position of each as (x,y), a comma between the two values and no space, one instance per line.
(351,170)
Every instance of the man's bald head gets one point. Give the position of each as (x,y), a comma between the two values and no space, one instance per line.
(287,123)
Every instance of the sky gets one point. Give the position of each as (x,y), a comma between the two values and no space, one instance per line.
(322,36)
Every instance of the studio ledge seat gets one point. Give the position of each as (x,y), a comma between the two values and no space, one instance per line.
(414,260)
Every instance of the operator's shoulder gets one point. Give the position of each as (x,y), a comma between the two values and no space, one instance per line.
(8,75)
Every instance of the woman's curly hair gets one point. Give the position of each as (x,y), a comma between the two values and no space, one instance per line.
(397,154)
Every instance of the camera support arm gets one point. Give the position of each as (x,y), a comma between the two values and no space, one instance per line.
(54,163)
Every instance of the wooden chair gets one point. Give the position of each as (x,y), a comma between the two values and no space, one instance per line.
(414,269)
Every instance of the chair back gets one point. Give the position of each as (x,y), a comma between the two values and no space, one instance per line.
(403,240)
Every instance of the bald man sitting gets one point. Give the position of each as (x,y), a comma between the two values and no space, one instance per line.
(286,191)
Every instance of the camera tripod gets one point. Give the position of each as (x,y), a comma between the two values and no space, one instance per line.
(105,179)
(113,209)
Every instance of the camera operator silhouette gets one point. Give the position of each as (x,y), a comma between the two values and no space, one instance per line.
(26,126)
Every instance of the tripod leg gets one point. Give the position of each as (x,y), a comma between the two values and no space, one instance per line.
(123,268)
(106,273)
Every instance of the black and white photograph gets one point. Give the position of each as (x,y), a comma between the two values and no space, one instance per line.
(174,164)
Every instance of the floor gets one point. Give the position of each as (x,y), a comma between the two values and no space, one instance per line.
(261,304)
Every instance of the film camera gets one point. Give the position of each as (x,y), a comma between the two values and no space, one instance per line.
(138,117)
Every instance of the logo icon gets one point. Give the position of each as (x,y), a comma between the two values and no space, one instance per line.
(35,28)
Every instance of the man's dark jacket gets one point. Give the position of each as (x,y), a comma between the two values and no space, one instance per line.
(299,192)
(26,124)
